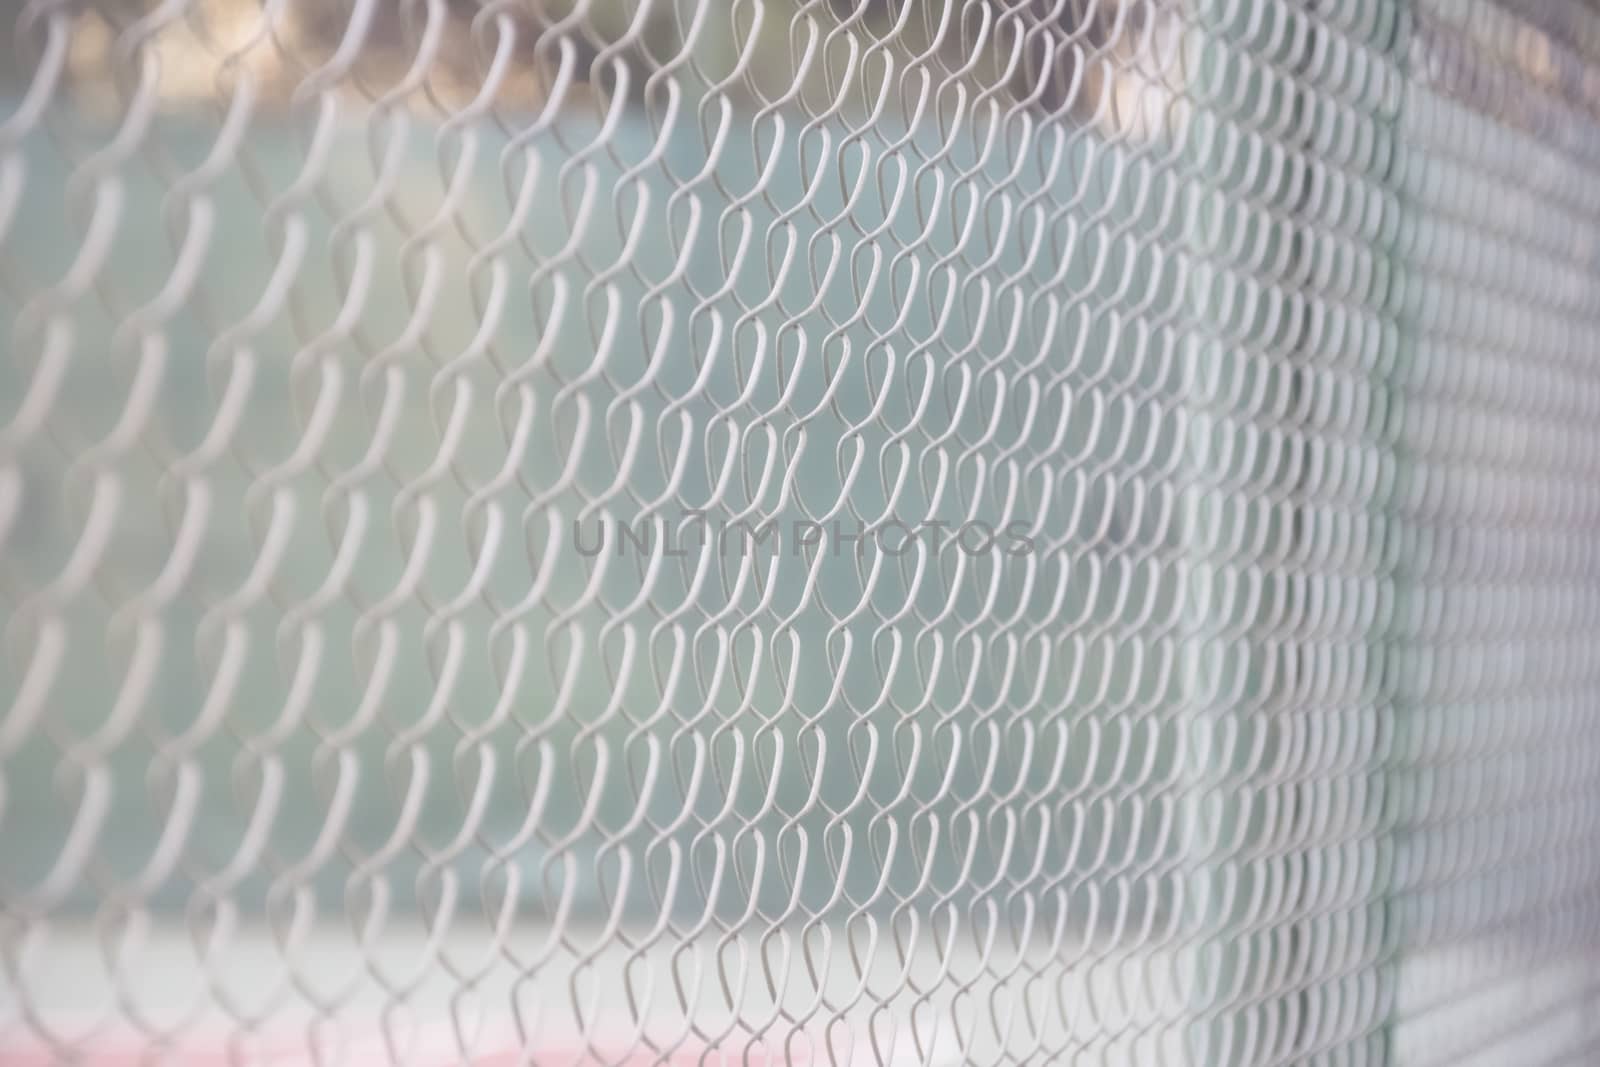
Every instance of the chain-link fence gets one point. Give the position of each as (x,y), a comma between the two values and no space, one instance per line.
(800,531)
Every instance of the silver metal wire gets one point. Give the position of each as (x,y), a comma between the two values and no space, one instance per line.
(800,531)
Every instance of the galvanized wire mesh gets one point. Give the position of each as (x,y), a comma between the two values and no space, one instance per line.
(838,531)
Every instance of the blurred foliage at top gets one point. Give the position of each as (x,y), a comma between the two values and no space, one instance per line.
(439,56)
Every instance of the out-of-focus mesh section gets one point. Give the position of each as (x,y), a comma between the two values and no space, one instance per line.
(805,531)
(1492,900)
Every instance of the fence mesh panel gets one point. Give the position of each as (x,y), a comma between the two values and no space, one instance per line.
(800,531)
